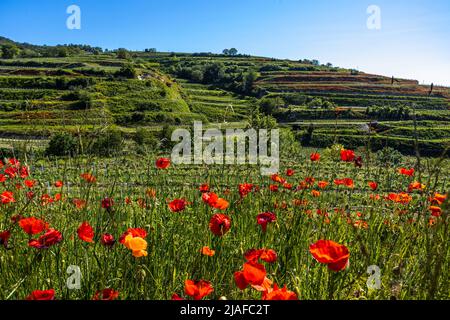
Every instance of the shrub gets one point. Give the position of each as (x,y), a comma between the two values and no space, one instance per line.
(127,71)
(333,152)
(145,141)
(388,157)
(61,144)
(108,143)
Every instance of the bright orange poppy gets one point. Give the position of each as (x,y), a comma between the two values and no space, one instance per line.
(334,255)
(198,289)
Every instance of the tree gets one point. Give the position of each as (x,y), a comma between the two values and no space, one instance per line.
(61,144)
(9,51)
(197,75)
(213,72)
(62,52)
(232,52)
(269,105)
(248,81)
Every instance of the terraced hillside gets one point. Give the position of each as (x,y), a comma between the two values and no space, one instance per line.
(325,104)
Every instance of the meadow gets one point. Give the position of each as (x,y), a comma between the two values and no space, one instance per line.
(195,227)
(91,207)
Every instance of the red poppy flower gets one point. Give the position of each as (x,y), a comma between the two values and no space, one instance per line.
(221,204)
(401,197)
(267,255)
(322,184)
(438,198)
(7,197)
(59,184)
(277,178)
(50,238)
(245,189)
(88,177)
(135,232)
(197,289)
(42,295)
(29,183)
(79,203)
(240,280)
(11,172)
(210,198)
(435,211)
(346,181)
(108,240)
(219,224)
(290,172)
(373,185)
(177,205)
(416,186)
(86,232)
(347,155)
(279,294)
(14,162)
(287,186)
(4,237)
(206,251)
(314,157)
(204,188)
(106,294)
(24,172)
(3,178)
(406,172)
(46,199)
(264,218)
(273,187)
(334,255)
(254,273)
(33,225)
(176,297)
(163,163)
(107,203)
(214,201)
(315,193)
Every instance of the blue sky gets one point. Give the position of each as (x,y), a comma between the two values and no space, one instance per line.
(413,42)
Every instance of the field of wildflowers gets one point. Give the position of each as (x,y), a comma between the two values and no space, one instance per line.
(143,228)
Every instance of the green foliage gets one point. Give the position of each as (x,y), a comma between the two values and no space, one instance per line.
(230,52)
(333,152)
(128,71)
(308,135)
(165,137)
(258,120)
(145,141)
(401,112)
(123,54)
(268,105)
(106,143)
(388,157)
(9,51)
(248,81)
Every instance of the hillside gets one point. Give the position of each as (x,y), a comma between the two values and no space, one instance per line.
(46,89)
